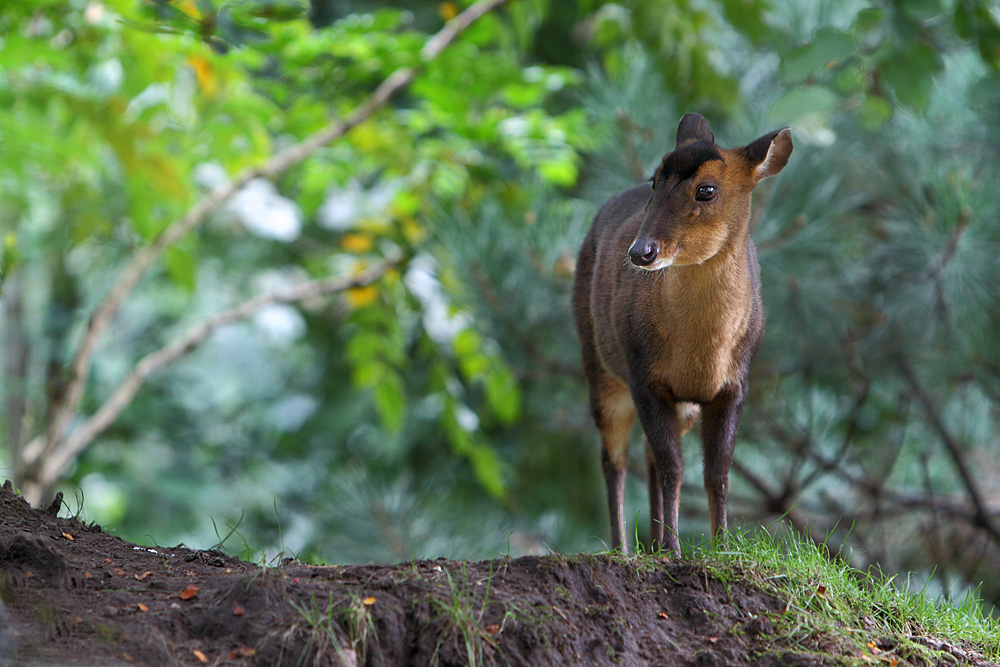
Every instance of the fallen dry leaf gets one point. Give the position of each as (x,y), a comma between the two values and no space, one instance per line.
(663,615)
(369,601)
(492,628)
(189,592)
(244,651)
(201,656)
(140,577)
(142,607)
(238,610)
(713,639)
(873,647)
(68,536)
(87,575)
(821,591)
(118,572)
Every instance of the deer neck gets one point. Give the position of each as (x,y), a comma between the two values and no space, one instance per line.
(713,299)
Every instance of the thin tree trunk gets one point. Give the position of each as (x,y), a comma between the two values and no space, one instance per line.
(15,371)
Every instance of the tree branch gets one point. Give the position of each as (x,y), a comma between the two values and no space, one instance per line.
(57,461)
(982,516)
(145,257)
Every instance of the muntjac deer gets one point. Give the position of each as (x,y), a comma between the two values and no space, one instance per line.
(668,308)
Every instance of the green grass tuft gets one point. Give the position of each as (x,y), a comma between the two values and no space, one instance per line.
(827,596)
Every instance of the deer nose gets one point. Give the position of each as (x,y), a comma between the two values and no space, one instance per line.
(644,251)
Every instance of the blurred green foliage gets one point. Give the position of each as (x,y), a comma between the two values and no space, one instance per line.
(441,411)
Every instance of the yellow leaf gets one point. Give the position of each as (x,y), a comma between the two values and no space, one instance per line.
(369,601)
(189,8)
(203,70)
(357,243)
(358,297)
(447,10)
(413,230)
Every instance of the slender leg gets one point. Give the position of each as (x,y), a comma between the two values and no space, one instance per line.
(720,419)
(655,498)
(614,480)
(614,415)
(658,416)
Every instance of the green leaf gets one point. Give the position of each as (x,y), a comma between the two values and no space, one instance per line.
(747,16)
(182,266)
(466,343)
(559,172)
(988,36)
(875,112)
(9,254)
(803,101)
(390,401)
(503,394)
(868,19)
(964,21)
(829,48)
(920,9)
(910,74)
(488,469)
(364,346)
(485,462)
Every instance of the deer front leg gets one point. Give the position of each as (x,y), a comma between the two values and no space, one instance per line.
(658,416)
(720,419)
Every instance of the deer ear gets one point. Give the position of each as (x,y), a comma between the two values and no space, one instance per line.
(769,154)
(693,127)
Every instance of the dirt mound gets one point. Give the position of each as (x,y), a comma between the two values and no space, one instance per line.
(75,595)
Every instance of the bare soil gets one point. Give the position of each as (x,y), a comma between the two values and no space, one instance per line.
(75,595)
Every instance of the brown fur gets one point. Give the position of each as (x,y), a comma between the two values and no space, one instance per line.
(677,336)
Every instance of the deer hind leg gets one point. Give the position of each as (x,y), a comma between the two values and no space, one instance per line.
(614,415)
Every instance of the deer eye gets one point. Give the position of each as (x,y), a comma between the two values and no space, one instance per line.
(705,193)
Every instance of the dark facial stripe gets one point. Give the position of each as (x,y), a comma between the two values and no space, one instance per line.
(684,162)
